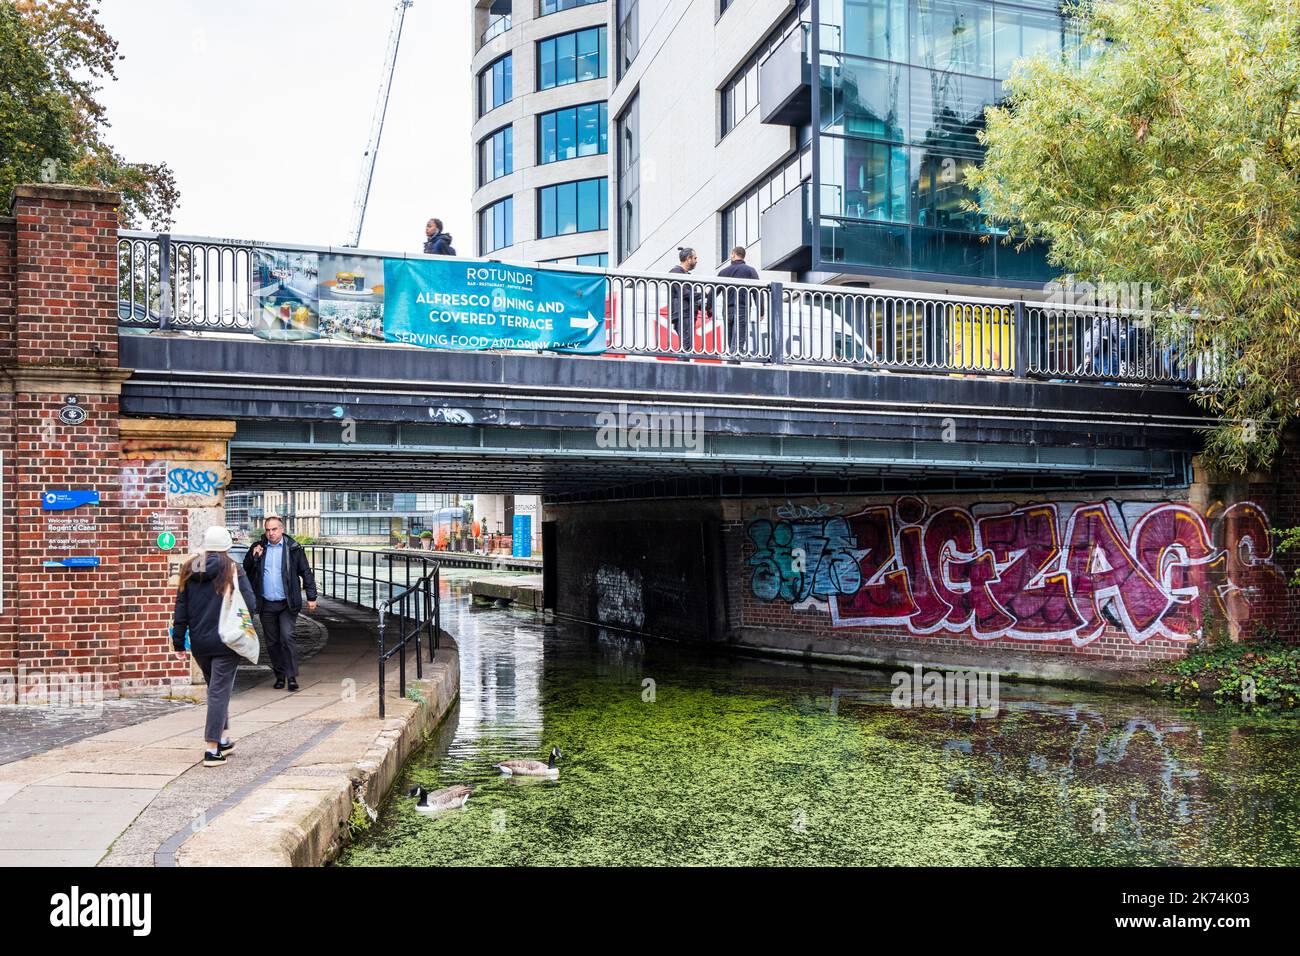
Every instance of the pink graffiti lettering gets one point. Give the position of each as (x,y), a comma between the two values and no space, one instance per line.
(1041,572)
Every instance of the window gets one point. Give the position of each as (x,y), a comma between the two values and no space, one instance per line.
(555,6)
(740,220)
(573,132)
(955,36)
(496,155)
(740,94)
(629,40)
(495,85)
(571,58)
(1024,33)
(599,260)
(903,86)
(629,178)
(572,207)
(496,226)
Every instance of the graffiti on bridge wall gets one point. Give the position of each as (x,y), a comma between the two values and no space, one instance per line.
(1042,572)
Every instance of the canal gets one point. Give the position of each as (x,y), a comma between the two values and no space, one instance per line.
(673,755)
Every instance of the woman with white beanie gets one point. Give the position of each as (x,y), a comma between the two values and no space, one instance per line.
(205,581)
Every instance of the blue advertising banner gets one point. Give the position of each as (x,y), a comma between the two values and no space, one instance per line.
(470,305)
(521,545)
(60,499)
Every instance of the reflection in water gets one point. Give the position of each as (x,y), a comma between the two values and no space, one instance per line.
(739,761)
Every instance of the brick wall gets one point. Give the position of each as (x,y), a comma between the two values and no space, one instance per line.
(636,567)
(67,276)
(8,526)
(1091,581)
(58,347)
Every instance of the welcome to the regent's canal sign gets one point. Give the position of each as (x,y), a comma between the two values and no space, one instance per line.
(443,303)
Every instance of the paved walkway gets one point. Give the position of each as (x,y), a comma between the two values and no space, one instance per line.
(139,790)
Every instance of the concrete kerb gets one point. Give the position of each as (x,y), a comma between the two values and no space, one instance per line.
(304,815)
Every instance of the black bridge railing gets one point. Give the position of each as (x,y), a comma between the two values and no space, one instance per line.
(401,587)
(194,284)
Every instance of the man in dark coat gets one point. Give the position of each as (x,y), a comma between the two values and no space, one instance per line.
(275,565)
(684,299)
(437,242)
(738,300)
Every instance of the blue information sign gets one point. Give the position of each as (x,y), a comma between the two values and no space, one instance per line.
(522,543)
(470,305)
(84,561)
(65,499)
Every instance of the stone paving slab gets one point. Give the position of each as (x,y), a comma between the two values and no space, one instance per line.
(55,800)
(49,857)
(25,731)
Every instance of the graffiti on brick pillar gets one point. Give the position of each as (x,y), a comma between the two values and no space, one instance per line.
(196,483)
(1053,571)
(620,598)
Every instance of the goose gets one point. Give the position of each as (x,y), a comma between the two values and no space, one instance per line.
(532,768)
(448,798)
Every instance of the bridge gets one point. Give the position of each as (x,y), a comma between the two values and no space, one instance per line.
(827,387)
(792,468)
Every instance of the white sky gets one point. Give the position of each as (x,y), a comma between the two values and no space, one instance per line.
(262,109)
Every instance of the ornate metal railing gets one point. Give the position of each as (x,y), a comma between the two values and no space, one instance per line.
(196,284)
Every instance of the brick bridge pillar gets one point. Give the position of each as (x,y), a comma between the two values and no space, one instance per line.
(84,589)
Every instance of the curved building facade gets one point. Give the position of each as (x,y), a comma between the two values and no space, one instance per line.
(541,76)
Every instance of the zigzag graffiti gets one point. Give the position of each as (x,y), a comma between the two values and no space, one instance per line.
(1023,573)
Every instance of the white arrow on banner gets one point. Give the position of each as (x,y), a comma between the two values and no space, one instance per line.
(586,324)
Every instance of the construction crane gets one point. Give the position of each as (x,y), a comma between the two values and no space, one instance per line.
(377,126)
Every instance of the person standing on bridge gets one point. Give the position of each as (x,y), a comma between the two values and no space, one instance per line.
(205,581)
(437,242)
(685,299)
(275,565)
(738,299)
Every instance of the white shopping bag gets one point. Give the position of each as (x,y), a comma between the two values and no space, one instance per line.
(236,629)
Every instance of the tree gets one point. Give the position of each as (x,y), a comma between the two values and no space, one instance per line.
(1169,154)
(55,54)
(35,121)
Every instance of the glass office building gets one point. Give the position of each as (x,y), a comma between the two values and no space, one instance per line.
(895,91)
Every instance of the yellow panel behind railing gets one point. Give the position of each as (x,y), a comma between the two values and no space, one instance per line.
(981,337)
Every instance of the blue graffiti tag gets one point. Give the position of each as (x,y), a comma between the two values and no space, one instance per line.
(187,481)
(796,560)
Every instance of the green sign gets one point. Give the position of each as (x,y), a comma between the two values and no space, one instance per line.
(166,540)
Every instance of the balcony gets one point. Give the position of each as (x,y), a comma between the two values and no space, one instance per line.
(786,228)
(785,81)
(496,27)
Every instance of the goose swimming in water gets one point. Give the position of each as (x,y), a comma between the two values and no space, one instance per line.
(448,798)
(532,768)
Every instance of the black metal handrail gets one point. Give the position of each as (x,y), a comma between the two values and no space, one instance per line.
(413,601)
(427,614)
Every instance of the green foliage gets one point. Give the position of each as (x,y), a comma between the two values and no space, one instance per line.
(1231,669)
(359,820)
(1169,154)
(53,54)
(35,120)
(1288,542)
